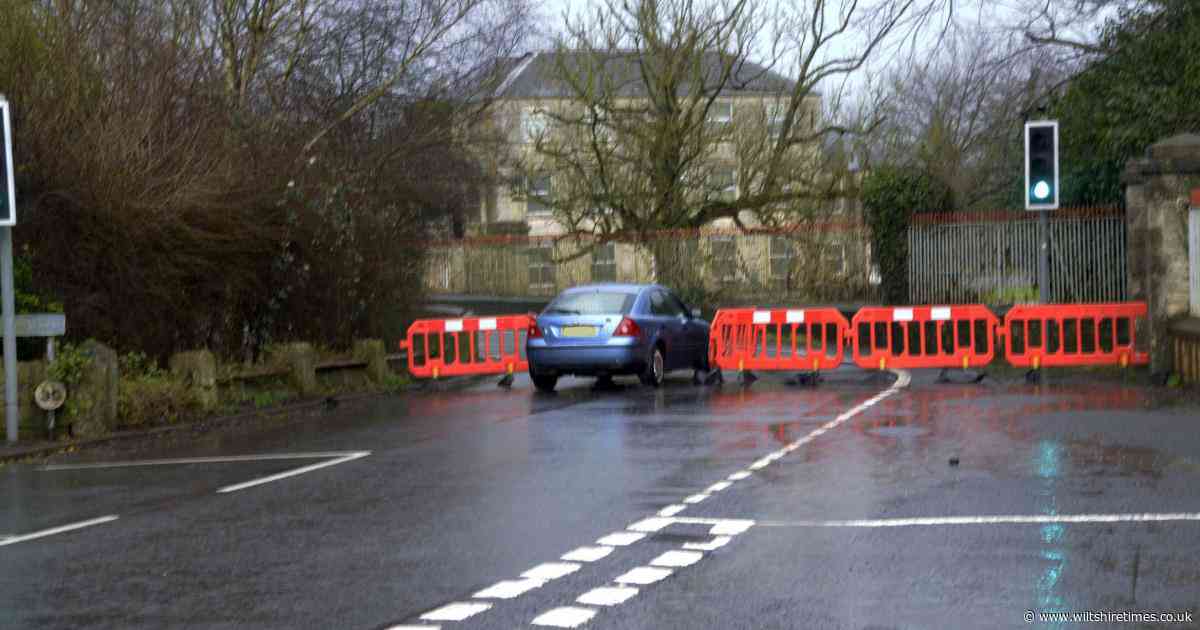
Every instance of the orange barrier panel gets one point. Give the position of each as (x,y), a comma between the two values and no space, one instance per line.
(1052,335)
(467,346)
(959,336)
(777,339)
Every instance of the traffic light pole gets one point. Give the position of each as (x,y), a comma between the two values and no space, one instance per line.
(1044,257)
(11,408)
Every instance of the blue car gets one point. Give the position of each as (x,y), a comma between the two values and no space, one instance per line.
(604,330)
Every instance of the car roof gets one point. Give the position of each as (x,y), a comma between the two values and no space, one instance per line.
(621,287)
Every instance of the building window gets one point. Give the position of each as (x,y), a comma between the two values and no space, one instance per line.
(533,125)
(604,263)
(724,258)
(724,183)
(541,267)
(537,197)
(782,253)
(721,113)
(775,115)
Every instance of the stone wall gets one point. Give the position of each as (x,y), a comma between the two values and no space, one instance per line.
(1156,200)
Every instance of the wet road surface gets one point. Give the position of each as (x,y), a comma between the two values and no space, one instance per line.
(687,507)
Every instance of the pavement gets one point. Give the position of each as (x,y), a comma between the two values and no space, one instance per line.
(872,500)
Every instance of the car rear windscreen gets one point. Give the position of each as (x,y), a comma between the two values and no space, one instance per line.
(592,303)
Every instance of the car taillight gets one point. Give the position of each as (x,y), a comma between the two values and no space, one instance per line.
(627,328)
(534,332)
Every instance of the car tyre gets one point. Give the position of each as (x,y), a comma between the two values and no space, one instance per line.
(655,369)
(544,382)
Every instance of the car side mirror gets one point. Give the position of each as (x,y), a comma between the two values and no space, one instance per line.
(695,313)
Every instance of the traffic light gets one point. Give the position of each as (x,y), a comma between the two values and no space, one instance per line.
(1041,165)
(8,214)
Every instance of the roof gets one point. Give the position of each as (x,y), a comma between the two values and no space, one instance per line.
(534,75)
(621,287)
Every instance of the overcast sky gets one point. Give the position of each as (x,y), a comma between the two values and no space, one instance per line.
(993,16)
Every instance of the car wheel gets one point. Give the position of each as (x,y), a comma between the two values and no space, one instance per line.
(655,369)
(544,382)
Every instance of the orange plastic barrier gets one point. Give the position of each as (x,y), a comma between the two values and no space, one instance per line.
(467,346)
(959,336)
(777,339)
(1051,335)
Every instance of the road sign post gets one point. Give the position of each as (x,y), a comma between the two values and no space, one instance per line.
(8,218)
(1041,190)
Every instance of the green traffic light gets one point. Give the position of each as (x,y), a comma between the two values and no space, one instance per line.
(1041,190)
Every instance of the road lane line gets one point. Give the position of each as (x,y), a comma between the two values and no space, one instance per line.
(197,460)
(642,576)
(587,554)
(12,540)
(607,595)
(695,498)
(712,545)
(456,611)
(508,589)
(292,473)
(672,510)
(565,617)
(551,570)
(1007,519)
(677,559)
(620,539)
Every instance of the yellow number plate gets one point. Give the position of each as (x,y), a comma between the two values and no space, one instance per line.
(579,331)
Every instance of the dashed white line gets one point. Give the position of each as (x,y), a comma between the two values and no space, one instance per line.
(676,559)
(412,627)
(456,611)
(1008,519)
(565,617)
(717,487)
(739,475)
(587,554)
(12,540)
(178,461)
(695,498)
(651,525)
(293,472)
(642,576)
(551,570)
(607,595)
(620,539)
(508,589)
(672,510)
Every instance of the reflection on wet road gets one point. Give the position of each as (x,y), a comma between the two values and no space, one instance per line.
(856,503)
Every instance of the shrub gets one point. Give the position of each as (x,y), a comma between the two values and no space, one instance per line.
(890,196)
(148,400)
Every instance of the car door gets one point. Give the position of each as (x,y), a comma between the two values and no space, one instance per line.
(695,332)
(670,327)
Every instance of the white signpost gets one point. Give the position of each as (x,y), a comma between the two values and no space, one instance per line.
(8,218)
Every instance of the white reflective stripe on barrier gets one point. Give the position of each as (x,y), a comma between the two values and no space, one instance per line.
(902,314)
(762,317)
(795,317)
(940,313)
(454,325)
(487,324)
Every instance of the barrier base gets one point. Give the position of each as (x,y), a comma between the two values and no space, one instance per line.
(506,382)
(747,377)
(806,379)
(961,376)
(714,377)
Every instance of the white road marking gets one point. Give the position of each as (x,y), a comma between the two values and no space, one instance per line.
(739,475)
(715,543)
(551,570)
(720,526)
(456,611)
(677,559)
(409,627)
(587,554)
(695,498)
(292,473)
(607,595)
(717,487)
(651,525)
(262,457)
(1010,519)
(620,539)
(12,540)
(565,617)
(672,510)
(642,576)
(508,589)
